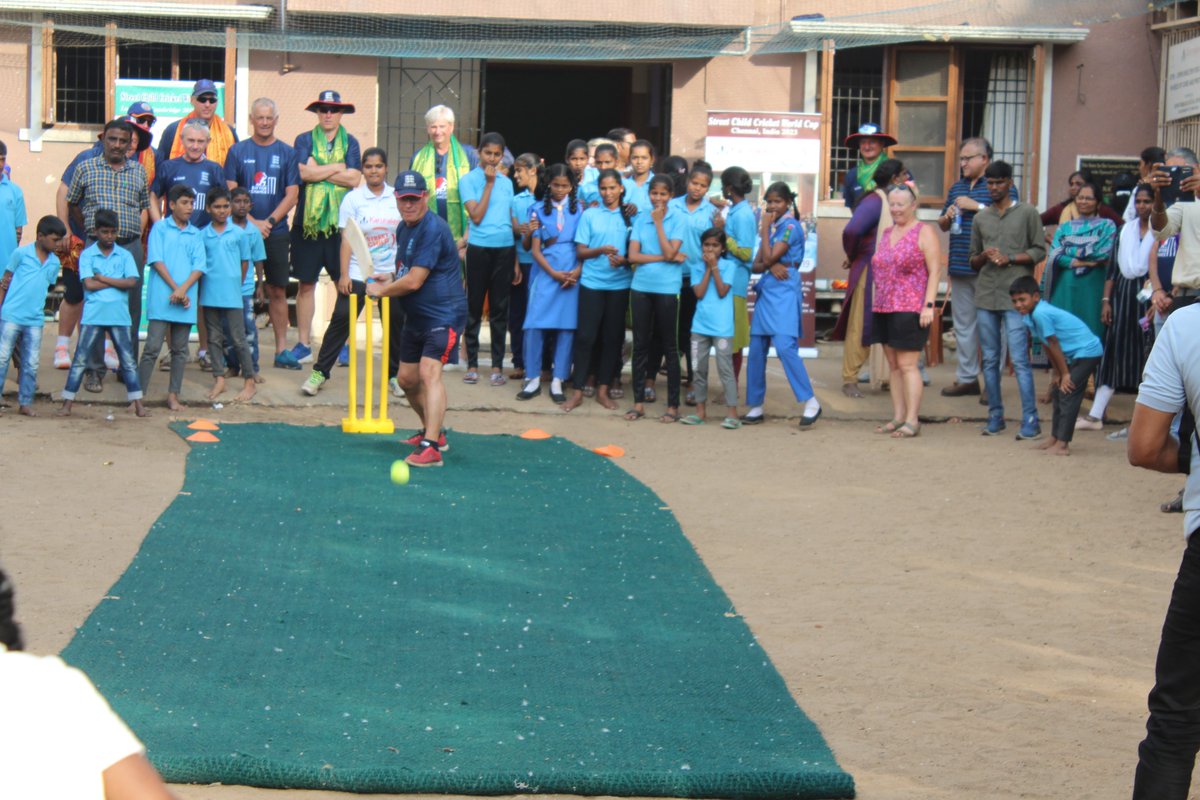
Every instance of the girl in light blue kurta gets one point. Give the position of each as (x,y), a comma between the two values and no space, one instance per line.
(697,211)
(554,282)
(740,230)
(637,187)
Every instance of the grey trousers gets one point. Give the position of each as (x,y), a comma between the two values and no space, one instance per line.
(701,344)
(966,331)
(156,332)
(236,319)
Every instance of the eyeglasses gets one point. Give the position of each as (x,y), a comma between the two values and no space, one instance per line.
(966,159)
(328,110)
(207,99)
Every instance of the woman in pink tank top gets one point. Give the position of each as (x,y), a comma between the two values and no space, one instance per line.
(905,267)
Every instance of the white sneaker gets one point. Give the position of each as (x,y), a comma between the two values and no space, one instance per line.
(394,385)
(62,360)
(313,385)
(110,357)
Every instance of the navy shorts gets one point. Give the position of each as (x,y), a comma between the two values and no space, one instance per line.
(437,343)
(309,256)
(275,268)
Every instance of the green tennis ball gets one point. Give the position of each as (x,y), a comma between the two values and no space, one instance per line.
(399,472)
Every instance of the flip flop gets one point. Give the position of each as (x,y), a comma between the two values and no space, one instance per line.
(668,418)
(889,427)
(632,415)
(906,431)
(471,377)
(692,419)
(731,423)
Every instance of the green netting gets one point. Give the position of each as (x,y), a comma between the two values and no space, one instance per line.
(527,619)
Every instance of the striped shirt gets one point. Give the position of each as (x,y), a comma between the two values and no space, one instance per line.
(960,243)
(96,185)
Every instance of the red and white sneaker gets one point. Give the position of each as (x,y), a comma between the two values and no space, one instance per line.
(62,360)
(426,455)
(416,439)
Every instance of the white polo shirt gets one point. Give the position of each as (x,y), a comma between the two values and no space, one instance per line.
(378,217)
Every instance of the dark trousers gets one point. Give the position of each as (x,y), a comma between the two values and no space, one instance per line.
(687,311)
(217,319)
(518,301)
(1066,406)
(489,275)
(601,321)
(338,331)
(654,314)
(95,361)
(176,334)
(1168,753)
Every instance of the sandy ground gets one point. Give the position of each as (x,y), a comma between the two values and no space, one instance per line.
(962,616)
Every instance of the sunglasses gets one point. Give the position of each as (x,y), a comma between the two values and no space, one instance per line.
(328,110)
(207,99)
(147,120)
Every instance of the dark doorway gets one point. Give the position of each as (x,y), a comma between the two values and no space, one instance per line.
(540,107)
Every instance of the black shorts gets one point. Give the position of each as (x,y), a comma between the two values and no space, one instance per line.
(275,268)
(72,287)
(310,255)
(438,343)
(899,330)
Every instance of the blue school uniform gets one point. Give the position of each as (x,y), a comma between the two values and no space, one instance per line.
(589,192)
(258,252)
(522,208)
(741,227)
(1074,336)
(181,251)
(598,227)
(552,307)
(110,305)
(200,176)
(777,303)
(495,229)
(658,277)
(25,302)
(638,195)
(714,314)
(695,222)
(12,216)
(224,254)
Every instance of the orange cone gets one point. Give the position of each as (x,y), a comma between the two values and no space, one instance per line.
(204,425)
(609,451)
(535,433)
(202,436)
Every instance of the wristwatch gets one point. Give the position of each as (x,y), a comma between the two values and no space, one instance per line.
(272,220)
(929,305)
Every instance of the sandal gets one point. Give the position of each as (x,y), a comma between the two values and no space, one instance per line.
(731,423)
(616,393)
(906,431)
(1173,506)
(669,417)
(497,379)
(632,415)
(471,377)
(692,419)
(851,390)
(889,427)
(589,391)
(649,395)
(690,398)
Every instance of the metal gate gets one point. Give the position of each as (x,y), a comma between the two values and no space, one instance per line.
(408,87)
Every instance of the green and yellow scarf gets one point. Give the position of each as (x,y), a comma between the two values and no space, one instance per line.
(866,174)
(323,199)
(457,166)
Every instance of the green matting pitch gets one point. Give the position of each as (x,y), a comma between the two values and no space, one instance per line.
(528,618)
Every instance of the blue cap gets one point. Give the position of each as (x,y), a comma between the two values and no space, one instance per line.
(410,184)
(202,86)
(140,109)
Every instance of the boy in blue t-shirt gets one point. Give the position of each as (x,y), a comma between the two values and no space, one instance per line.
(253,287)
(107,273)
(175,261)
(227,255)
(1074,352)
(30,272)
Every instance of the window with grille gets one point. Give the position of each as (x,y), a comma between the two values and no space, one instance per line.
(857,98)
(995,102)
(79,90)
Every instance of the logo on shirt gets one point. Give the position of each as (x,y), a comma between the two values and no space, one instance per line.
(275,162)
(440,184)
(204,181)
(263,184)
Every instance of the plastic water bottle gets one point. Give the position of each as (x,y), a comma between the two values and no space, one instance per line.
(956,224)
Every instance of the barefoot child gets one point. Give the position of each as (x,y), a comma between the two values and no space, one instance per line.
(253,287)
(30,272)
(227,260)
(108,273)
(712,326)
(1073,350)
(175,261)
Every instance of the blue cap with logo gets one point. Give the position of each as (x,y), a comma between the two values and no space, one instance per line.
(140,109)
(204,86)
(410,184)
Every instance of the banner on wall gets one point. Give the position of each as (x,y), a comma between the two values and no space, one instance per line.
(776,146)
(171,100)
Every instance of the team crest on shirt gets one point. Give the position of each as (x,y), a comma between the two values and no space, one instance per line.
(204,181)
(275,162)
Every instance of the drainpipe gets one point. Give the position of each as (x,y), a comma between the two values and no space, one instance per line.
(745,51)
(288,66)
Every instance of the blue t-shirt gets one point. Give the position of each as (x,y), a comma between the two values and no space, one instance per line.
(266,171)
(600,226)
(304,147)
(199,176)
(258,252)
(1074,336)
(638,195)
(25,302)
(12,216)
(521,205)
(181,251)
(659,277)
(224,252)
(695,222)
(110,305)
(740,226)
(714,314)
(440,301)
(495,229)
(589,192)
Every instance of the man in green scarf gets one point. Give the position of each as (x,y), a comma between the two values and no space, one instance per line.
(871,142)
(442,162)
(330,161)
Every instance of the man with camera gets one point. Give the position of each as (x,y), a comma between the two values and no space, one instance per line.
(1175,212)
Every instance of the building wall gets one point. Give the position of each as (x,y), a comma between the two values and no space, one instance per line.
(683,12)
(1103,104)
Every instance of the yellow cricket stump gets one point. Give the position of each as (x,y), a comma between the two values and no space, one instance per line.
(368,422)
